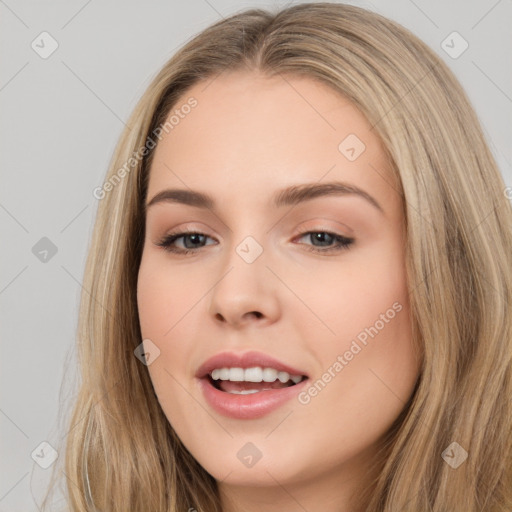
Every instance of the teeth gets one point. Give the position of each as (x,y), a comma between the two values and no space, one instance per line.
(236,374)
(283,377)
(269,375)
(245,391)
(223,374)
(253,374)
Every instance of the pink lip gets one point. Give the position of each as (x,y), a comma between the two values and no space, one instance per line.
(245,360)
(249,406)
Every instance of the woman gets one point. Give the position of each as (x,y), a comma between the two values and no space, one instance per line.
(259,366)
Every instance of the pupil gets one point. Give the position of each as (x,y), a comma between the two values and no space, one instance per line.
(321,237)
(193,237)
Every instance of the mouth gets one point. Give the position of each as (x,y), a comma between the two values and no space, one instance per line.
(249,385)
(255,379)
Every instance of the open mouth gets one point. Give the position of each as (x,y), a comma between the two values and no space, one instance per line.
(248,386)
(245,381)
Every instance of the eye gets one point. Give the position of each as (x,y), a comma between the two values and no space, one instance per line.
(326,239)
(192,241)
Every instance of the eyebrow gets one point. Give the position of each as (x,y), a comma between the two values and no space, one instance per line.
(287,197)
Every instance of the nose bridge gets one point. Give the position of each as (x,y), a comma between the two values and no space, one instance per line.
(250,250)
(246,285)
(246,266)
(247,246)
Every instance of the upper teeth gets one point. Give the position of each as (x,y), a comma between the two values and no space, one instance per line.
(253,374)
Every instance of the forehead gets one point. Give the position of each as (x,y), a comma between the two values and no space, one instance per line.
(262,133)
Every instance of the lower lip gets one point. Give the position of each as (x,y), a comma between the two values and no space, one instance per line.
(250,406)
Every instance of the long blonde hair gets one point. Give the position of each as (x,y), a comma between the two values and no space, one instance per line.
(123,455)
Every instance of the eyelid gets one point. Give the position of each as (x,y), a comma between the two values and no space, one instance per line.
(187,228)
(342,235)
(318,224)
(342,243)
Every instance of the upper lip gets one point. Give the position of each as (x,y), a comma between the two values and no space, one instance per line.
(244,360)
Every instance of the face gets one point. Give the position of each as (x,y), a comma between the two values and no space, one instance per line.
(280,272)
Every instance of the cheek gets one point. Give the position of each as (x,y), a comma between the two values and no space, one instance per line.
(351,294)
(384,365)
(366,308)
(164,296)
(160,307)
(150,297)
(168,302)
(370,366)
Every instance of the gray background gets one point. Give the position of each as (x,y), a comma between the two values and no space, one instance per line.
(61,118)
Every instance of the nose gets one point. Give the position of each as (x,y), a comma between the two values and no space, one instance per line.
(245,293)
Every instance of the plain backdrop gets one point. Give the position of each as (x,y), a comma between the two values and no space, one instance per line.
(61,117)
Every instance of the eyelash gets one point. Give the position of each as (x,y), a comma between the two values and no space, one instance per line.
(343,243)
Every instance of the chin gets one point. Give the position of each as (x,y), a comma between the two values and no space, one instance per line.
(255,464)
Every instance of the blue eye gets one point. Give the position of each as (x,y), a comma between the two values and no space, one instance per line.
(194,240)
(326,238)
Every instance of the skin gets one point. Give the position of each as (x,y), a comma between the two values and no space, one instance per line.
(248,137)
